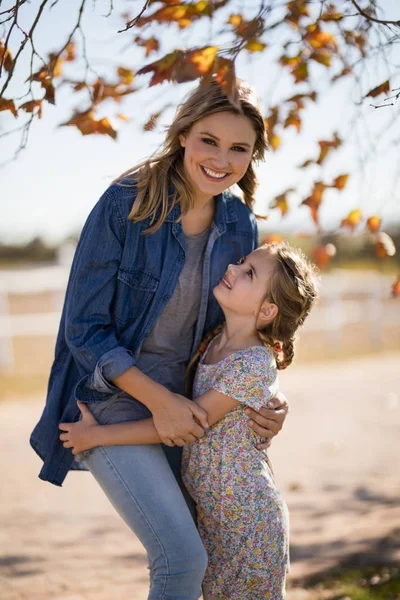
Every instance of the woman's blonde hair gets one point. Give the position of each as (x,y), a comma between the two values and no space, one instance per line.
(154,176)
(293,288)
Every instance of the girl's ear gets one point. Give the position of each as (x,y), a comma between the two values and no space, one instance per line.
(182,140)
(268,312)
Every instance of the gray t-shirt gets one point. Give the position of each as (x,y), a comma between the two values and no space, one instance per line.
(165,353)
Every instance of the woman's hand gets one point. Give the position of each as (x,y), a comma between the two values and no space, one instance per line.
(267,422)
(80,436)
(179,421)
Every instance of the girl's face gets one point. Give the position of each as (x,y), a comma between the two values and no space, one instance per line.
(243,289)
(218,151)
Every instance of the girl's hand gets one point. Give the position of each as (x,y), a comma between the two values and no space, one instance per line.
(268,422)
(80,436)
(179,421)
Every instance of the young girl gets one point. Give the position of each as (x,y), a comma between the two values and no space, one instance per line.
(242,518)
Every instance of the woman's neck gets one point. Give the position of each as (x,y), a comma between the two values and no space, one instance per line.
(200,217)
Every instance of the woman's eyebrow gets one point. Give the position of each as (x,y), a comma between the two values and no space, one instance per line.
(217,138)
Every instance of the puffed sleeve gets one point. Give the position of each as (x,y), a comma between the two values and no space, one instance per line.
(250,377)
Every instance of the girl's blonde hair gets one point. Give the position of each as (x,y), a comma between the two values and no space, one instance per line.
(293,288)
(154,176)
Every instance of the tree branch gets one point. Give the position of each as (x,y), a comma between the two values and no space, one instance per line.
(374,19)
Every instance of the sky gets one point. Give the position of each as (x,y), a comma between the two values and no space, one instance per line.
(55,182)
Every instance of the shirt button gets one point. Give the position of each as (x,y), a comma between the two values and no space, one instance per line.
(182,258)
(167,297)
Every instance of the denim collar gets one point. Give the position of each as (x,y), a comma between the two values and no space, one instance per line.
(225,210)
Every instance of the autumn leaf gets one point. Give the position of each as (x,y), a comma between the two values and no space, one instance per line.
(383,88)
(293,118)
(322,57)
(88,125)
(235,20)
(384,245)
(152,122)
(5,57)
(340,182)
(126,75)
(181,13)
(31,106)
(396,288)
(322,255)
(326,146)
(225,75)
(307,163)
(183,66)
(300,73)
(281,202)
(374,223)
(314,200)
(150,44)
(330,14)
(255,46)
(273,238)
(296,10)
(7,104)
(70,52)
(352,219)
(320,39)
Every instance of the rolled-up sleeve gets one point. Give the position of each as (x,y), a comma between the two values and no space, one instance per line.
(89,329)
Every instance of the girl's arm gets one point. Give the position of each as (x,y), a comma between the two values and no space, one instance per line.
(87,433)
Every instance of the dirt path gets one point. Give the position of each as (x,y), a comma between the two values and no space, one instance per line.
(336,462)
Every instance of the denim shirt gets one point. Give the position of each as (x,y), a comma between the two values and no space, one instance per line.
(119,284)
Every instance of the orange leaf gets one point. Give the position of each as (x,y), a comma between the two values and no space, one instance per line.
(383,88)
(5,56)
(152,122)
(326,146)
(352,219)
(88,125)
(151,44)
(321,39)
(255,46)
(8,105)
(225,75)
(203,59)
(235,20)
(396,287)
(70,52)
(281,203)
(273,238)
(30,106)
(275,141)
(306,163)
(374,223)
(340,181)
(300,73)
(163,69)
(322,255)
(322,56)
(293,118)
(126,75)
(123,117)
(314,200)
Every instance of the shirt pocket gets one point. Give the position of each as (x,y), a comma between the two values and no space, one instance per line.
(134,292)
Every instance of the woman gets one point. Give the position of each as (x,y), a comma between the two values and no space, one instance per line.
(138,301)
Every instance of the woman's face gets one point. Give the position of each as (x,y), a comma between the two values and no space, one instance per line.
(218,151)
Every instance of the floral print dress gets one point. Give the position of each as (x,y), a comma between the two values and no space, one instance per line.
(242,517)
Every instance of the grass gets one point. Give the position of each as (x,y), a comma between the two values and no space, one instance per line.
(369,583)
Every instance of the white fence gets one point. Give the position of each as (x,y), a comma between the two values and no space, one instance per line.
(346,298)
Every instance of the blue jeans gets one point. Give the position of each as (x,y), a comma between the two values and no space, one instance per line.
(141,486)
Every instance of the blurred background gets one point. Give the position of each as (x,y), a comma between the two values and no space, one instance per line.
(337,458)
